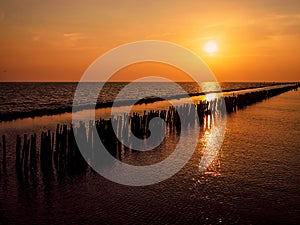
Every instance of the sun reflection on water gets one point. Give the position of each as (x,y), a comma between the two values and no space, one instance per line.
(210,96)
(213,128)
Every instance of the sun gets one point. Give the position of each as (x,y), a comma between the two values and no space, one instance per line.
(211,47)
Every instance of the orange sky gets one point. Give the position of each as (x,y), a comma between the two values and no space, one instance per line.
(57,40)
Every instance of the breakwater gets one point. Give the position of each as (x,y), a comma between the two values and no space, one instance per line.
(29,105)
(57,151)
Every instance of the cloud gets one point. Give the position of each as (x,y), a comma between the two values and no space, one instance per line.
(74,40)
(75,36)
(286,24)
(278,25)
(263,29)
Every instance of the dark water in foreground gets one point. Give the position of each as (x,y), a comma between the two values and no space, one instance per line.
(254,180)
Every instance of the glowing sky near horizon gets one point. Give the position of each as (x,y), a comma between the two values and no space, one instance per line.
(57,40)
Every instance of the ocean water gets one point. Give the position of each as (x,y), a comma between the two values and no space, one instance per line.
(255,178)
(19,99)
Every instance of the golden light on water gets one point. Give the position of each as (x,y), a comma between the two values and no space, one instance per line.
(210,96)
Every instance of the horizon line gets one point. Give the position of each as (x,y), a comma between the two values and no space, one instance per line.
(124,81)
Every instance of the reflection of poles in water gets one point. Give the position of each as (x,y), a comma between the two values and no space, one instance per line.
(18,151)
(33,162)
(206,122)
(4,152)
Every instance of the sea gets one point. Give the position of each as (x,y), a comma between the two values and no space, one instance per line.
(255,178)
(19,99)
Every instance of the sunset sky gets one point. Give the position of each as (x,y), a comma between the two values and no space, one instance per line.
(57,40)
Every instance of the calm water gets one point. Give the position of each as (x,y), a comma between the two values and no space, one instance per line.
(254,180)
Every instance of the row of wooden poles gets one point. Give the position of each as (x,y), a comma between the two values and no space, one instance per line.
(59,149)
